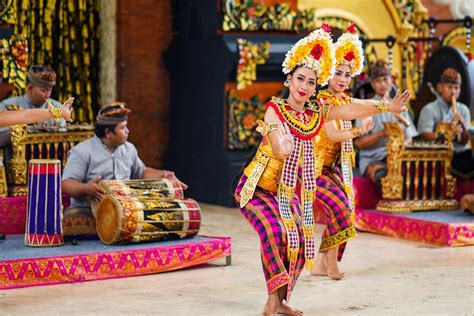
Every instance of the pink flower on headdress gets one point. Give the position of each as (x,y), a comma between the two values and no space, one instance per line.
(352,29)
(326,27)
(349,56)
(317,51)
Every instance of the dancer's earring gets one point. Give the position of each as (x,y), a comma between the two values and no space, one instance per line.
(287,83)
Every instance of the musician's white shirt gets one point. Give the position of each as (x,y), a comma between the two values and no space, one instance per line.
(378,151)
(439,111)
(91,158)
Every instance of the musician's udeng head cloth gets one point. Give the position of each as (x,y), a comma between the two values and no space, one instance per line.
(450,75)
(41,76)
(113,114)
(379,69)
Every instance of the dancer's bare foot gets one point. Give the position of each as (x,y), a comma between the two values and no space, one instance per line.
(333,271)
(336,275)
(332,267)
(272,305)
(320,267)
(288,310)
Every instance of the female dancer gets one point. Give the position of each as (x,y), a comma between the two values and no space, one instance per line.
(265,189)
(334,190)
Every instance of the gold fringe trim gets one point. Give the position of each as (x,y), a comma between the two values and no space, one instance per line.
(308,232)
(309,264)
(290,225)
(308,196)
(339,238)
(287,191)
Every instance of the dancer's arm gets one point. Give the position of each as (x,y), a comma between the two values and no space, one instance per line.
(336,135)
(361,108)
(8,118)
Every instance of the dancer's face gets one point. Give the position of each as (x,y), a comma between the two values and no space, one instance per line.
(302,84)
(341,79)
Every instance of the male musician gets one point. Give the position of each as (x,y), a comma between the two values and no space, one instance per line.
(39,84)
(373,151)
(442,110)
(106,156)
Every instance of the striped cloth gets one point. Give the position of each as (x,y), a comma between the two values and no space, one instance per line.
(263,214)
(332,200)
(300,160)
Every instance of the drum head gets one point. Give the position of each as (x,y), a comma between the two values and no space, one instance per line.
(108,220)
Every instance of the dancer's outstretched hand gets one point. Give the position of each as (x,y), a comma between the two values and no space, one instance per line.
(285,140)
(67,109)
(399,102)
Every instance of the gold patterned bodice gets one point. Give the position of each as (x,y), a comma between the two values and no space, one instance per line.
(327,151)
(331,149)
(270,178)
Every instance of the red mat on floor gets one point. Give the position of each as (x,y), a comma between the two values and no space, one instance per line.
(442,228)
(22,266)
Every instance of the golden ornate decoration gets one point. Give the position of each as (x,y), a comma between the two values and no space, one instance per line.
(303,128)
(255,169)
(405,31)
(8,12)
(56,113)
(417,173)
(251,55)
(3,176)
(382,106)
(339,238)
(264,171)
(356,132)
(264,129)
(418,205)
(47,145)
(252,15)
(14,54)
(420,14)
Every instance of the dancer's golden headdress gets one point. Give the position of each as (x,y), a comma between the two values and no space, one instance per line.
(349,51)
(315,51)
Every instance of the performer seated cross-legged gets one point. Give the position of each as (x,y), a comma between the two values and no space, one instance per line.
(447,109)
(106,156)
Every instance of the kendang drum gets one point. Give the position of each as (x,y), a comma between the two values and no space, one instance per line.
(44,210)
(124,219)
(146,188)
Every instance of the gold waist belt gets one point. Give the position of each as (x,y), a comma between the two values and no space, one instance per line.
(264,172)
(330,160)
